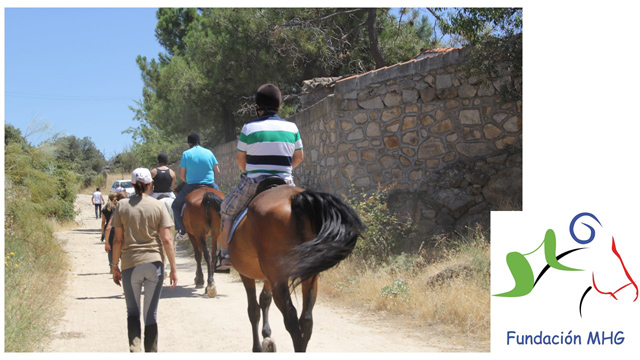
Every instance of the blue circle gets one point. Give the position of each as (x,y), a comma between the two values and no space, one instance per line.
(593,232)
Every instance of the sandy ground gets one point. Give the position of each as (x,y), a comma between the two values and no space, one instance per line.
(189,321)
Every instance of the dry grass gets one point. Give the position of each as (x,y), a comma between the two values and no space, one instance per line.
(451,293)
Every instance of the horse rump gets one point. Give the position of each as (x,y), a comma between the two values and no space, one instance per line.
(337,227)
(212,200)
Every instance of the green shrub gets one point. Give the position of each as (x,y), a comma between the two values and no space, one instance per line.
(37,189)
(385,235)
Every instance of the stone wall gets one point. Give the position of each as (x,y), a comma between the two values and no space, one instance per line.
(443,141)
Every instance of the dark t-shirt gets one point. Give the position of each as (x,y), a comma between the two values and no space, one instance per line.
(162,181)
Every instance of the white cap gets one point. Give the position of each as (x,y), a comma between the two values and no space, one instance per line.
(141,175)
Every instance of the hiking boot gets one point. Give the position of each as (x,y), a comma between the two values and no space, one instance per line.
(135,333)
(151,338)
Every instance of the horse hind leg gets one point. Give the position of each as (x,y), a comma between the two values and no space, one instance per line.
(253,310)
(282,298)
(211,285)
(309,293)
(268,345)
(199,279)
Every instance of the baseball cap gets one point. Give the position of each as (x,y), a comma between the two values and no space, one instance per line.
(141,175)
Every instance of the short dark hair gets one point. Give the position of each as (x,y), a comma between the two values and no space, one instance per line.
(163,158)
(268,97)
(193,138)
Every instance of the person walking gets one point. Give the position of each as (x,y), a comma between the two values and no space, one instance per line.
(267,146)
(141,225)
(164,178)
(97,200)
(107,213)
(198,167)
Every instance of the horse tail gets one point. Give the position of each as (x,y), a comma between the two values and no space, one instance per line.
(337,227)
(210,201)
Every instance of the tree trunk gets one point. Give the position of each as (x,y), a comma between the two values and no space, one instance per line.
(228,124)
(373,39)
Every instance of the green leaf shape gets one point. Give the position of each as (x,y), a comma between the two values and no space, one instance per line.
(550,252)
(522,274)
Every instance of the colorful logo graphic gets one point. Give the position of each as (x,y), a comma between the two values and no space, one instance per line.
(523,275)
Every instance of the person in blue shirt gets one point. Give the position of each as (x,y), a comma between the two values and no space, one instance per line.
(198,167)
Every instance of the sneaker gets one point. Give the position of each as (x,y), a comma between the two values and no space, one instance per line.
(182,235)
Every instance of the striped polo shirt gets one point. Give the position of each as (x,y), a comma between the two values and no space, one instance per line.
(269,143)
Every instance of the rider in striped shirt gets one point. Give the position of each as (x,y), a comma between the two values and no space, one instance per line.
(267,146)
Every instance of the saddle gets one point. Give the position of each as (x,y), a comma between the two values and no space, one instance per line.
(267,183)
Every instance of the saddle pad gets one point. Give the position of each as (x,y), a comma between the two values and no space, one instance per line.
(236,222)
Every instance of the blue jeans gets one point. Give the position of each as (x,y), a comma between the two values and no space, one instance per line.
(178,202)
(150,276)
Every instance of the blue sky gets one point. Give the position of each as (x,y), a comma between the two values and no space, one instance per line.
(75,69)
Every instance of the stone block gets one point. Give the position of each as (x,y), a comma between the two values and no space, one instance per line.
(427,95)
(369,155)
(411,108)
(409,151)
(409,96)
(387,161)
(352,156)
(432,147)
(451,104)
(346,125)
(391,142)
(391,114)
(409,122)
(427,120)
(471,134)
(394,126)
(360,118)
(410,138)
(431,80)
(357,134)
(362,182)
(369,104)
(514,124)
(392,99)
(442,126)
(373,129)
(443,81)
(344,147)
(491,131)
(470,117)
(467,91)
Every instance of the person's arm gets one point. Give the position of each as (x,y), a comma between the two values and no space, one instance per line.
(298,156)
(216,171)
(167,243)
(118,240)
(101,199)
(183,174)
(93,202)
(107,233)
(173,179)
(241,160)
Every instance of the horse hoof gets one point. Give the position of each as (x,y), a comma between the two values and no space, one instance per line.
(199,286)
(212,291)
(268,345)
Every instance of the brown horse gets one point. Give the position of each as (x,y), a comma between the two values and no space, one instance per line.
(201,218)
(290,234)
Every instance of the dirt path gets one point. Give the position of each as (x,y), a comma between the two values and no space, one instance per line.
(189,321)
